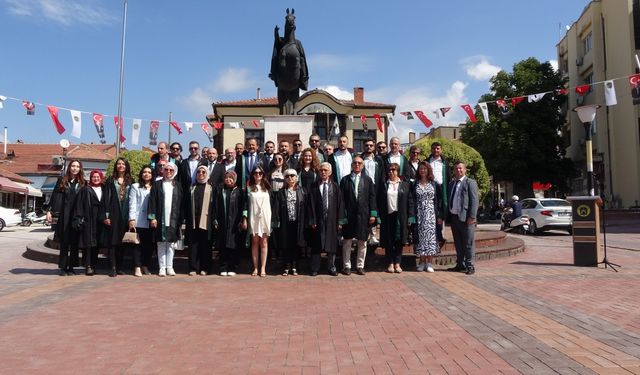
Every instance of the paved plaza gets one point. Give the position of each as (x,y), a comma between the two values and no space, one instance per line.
(533,313)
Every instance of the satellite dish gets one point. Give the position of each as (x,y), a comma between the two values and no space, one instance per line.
(64,143)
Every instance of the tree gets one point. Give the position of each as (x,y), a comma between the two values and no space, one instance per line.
(525,145)
(456,150)
(137,159)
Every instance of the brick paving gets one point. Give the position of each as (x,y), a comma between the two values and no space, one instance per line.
(533,313)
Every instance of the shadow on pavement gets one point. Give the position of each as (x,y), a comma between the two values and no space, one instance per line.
(544,264)
(35,271)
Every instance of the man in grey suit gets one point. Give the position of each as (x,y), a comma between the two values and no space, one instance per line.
(463,207)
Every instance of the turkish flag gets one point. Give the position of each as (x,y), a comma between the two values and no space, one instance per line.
(256,123)
(30,107)
(176,126)
(516,100)
(379,122)
(53,111)
(561,92)
(583,89)
(218,125)
(425,120)
(118,122)
(467,108)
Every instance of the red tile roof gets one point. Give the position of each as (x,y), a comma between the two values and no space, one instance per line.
(26,158)
(14,176)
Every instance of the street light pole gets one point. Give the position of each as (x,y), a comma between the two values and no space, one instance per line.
(586,114)
(121,89)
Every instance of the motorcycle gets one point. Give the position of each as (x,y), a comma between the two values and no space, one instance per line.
(33,218)
(518,225)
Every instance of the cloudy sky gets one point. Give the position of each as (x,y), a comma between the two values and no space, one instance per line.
(183,55)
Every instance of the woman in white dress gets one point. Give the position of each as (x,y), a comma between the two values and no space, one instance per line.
(259,219)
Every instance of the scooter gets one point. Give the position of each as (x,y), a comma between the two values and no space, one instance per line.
(518,225)
(32,218)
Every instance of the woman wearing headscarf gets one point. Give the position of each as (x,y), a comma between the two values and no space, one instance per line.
(90,226)
(198,223)
(165,215)
(290,212)
(139,220)
(114,212)
(62,205)
(230,233)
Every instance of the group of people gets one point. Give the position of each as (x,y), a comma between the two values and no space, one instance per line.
(292,201)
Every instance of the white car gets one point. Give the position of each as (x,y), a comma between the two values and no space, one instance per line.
(547,213)
(9,217)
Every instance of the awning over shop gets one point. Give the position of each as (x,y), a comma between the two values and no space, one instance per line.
(7,185)
(33,192)
(49,184)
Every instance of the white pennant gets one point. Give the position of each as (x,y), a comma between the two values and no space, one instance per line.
(535,97)
(436,113)
(392,125)
(135,131)
(188,125)
(485,111)
(76,118)
(234,125)
(351,118)
(2,99)
(336,126)
(610,93)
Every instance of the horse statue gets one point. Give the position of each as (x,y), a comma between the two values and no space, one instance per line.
(289,69)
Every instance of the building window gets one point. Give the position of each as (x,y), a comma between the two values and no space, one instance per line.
(258,134)
(359,137)
(587,43)
(323,125)
(588,80)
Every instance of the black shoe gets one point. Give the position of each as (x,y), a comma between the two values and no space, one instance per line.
(314,273)
(113,273)
(62,272)
(346,271)
(457,268)
(121,273)
(71,272)
(145,271)
(360,271)
(333,273)
(89,271)
(470,271)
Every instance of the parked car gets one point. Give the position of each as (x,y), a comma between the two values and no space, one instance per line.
(9,217)
(547,213)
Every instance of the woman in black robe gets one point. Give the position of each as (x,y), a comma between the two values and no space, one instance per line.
(290,216)
(229,232)
(91,228)
(62,206)
(114,213)
(198,223)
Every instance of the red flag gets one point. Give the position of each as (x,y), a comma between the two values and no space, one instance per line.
(502,107)
(408,115)
(218,125)
(53,111)
(205,127)
(467,108)
(256,123)
(363,120)
(444,110)
(379,122)
(634,80)
(561,92)
(30,107)
(423,118)
(581,90)
(176,126)
(516,100)
(118,122)
(98,122)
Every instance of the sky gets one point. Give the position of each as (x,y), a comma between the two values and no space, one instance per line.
(181,56)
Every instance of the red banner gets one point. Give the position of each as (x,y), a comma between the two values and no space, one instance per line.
(467,108)
(53,111)
(423,118)
(379,122)
(176,126)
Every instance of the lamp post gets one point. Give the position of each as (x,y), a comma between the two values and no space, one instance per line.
(121,86)
(586,114)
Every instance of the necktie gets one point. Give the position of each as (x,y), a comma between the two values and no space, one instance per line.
(325,198)
(356,182)
(251,156)
(453,193)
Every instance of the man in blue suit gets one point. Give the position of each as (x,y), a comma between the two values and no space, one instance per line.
(463,207)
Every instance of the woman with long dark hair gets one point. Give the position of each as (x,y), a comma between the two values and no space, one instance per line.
(86,217)
(276,174)
(62,206)
(308,168)
(429,211)
(115,213)
(139,220)
(259,219)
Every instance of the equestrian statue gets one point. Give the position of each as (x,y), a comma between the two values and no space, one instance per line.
(289,69)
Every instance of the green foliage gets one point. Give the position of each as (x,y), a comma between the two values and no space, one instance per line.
(453,151)
(526,145)
(137,159)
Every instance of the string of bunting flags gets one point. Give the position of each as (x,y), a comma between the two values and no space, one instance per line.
(503,106)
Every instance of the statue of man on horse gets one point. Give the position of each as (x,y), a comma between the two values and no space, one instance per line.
(289,69)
